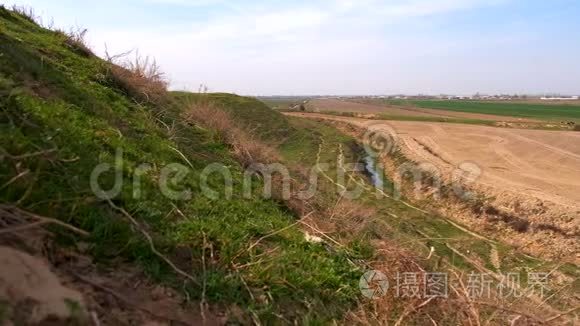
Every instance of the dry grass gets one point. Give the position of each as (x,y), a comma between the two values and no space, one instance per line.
(140,78)
(27,13)
(248,149)
(76,39)
(344,220)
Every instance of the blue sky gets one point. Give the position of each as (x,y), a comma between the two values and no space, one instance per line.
(341,46)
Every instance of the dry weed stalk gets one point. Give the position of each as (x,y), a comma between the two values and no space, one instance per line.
(140,78)
(14,220)
(151,243)
(76,39)
(27,12)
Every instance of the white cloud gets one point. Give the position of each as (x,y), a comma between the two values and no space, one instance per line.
(418,8)
(317,46)
(277,48)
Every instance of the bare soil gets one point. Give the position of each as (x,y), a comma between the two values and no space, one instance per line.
(322,105)
(532,174)
(347,106)
(34,293)
(45,284)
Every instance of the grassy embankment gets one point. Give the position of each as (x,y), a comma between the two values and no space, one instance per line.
(64,111)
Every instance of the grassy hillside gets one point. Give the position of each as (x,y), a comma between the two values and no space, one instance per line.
(524,110)
(63,112)
(255,115)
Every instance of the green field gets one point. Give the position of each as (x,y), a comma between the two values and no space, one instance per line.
(524,110)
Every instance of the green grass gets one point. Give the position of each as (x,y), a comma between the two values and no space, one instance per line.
(523,110)
(55,99)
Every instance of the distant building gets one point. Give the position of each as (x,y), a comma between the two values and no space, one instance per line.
(560,98)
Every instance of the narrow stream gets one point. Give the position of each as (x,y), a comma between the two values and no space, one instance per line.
(371,170)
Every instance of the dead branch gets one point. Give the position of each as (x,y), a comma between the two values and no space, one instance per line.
(30,187)
(512,311)
(28,155)
(16,177)
(21,215)
(265,237)
(561,315)
(321,233)
(151,244)
(408,311)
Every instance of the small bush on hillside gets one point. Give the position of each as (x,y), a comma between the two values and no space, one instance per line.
(75,39)
(140,78)
(577,128)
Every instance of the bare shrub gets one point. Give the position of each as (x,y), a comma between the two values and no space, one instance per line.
(349,218)
(577,128)
(140,78)
(76,40)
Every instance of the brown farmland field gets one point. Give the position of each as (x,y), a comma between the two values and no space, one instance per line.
(335,105)
(533,174)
